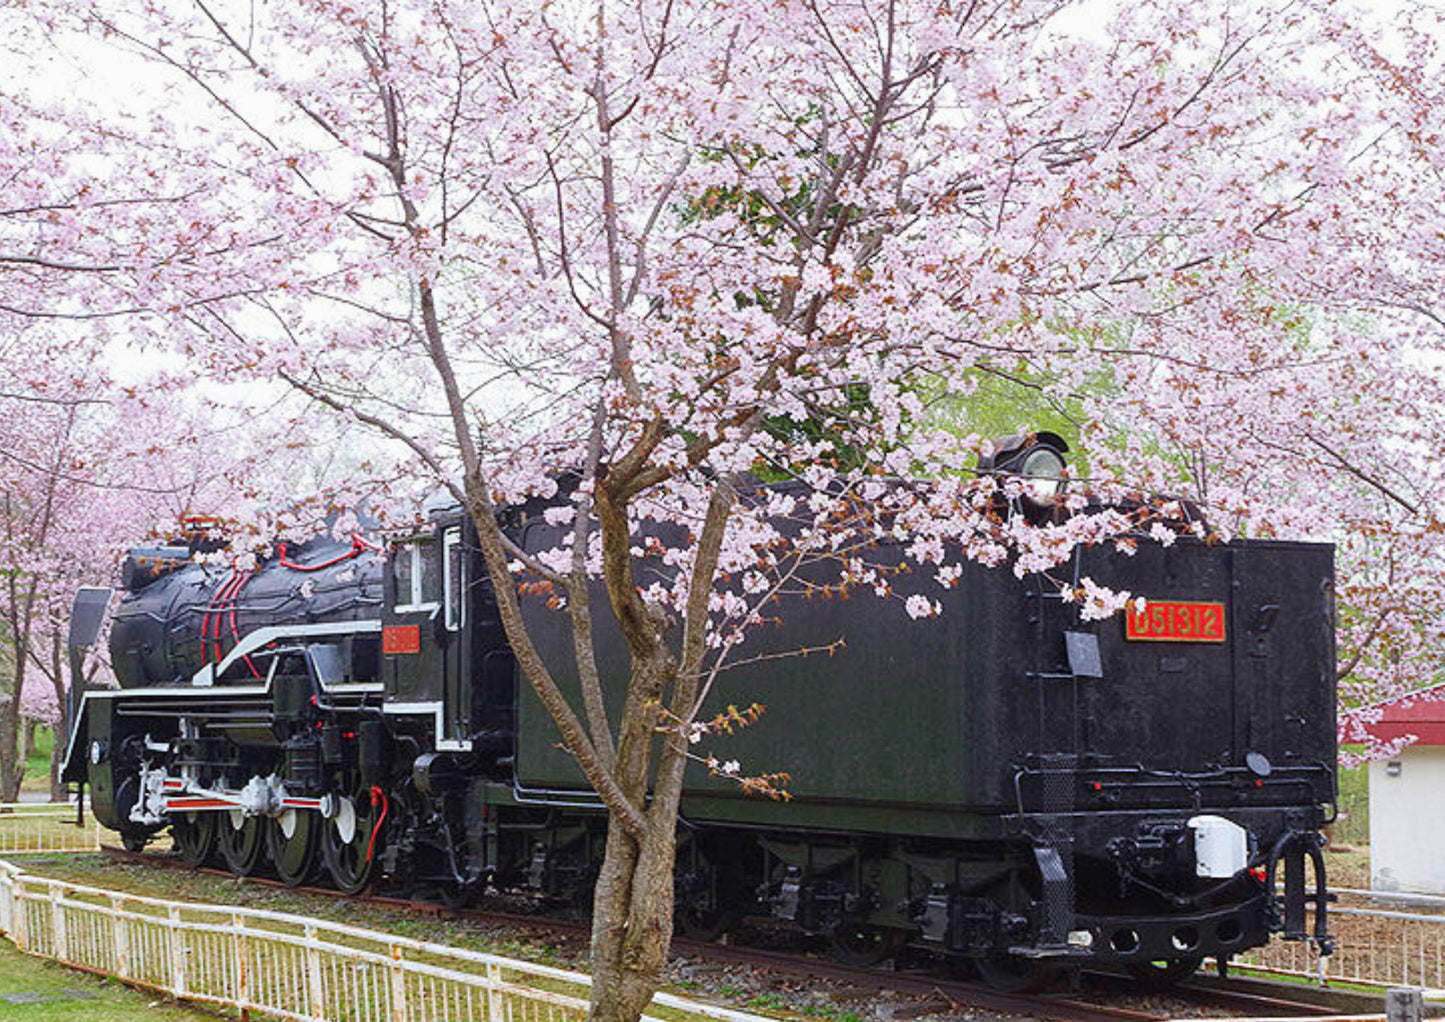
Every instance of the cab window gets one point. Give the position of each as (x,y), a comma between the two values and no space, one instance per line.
(454,567)
(416,574)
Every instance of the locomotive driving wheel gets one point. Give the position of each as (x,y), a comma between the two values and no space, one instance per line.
(194,835)
(240,839)
(1014,974)
(351,837)
(291,844)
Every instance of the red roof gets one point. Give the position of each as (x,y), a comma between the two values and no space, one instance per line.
(1419,713)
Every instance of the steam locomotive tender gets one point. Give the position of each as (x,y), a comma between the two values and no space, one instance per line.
(1006,783)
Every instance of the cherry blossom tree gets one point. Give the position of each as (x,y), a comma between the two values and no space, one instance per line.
(89,468)
(656,249)
(62,523)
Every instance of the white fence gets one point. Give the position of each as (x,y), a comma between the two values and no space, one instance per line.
(1379,946)
(31,828)
(274,968)
(288,966)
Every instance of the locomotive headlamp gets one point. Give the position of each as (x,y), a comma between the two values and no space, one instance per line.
(1037,458)
(1043,472)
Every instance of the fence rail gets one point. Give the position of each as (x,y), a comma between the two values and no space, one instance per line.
(288,966)
(34,828)
(1377,946)
(1401,944)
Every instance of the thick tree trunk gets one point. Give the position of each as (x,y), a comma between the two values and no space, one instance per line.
(28,727)
(632,919)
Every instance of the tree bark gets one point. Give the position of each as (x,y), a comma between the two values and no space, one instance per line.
(12,763)
(62,723)
(632,918)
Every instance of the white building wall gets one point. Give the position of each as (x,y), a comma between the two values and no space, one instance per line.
(1407,822)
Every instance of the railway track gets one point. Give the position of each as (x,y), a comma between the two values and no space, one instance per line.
(939,991)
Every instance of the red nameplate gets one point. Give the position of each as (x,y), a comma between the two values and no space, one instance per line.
(401,639)
(1175,621)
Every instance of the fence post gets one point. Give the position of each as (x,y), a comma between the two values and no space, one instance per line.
(60,946)
(1404,1004)
(177,944)
(313,975)
(496,1010)
(7,903)
(19,895)
(398,986)
(120,934)
(242,948)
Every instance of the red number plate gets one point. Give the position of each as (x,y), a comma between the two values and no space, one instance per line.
(401,639)
(1175,621)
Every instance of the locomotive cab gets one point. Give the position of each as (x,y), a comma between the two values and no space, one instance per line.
(443,648)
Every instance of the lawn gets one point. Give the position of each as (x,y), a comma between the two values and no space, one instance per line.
(1353,826)
(35,991)
(37,765)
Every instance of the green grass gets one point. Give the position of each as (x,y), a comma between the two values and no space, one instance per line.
(65,995)
(37,764)
(1353,827)
(768,1000)
(832,1013)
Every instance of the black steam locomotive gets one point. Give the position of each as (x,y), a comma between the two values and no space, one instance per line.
(1008,783)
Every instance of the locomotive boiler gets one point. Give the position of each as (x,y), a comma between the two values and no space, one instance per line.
(1007,783)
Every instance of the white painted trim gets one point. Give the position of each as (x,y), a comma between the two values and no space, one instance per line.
(453,614)
(417,608)
(152,693)
(251,643)
(354,688)
(262,637)
(414,709)
(411,548)
(436,708)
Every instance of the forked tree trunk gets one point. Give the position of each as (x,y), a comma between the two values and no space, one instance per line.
(632,919)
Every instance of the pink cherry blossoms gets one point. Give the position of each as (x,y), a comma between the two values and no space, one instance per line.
(1209,237)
